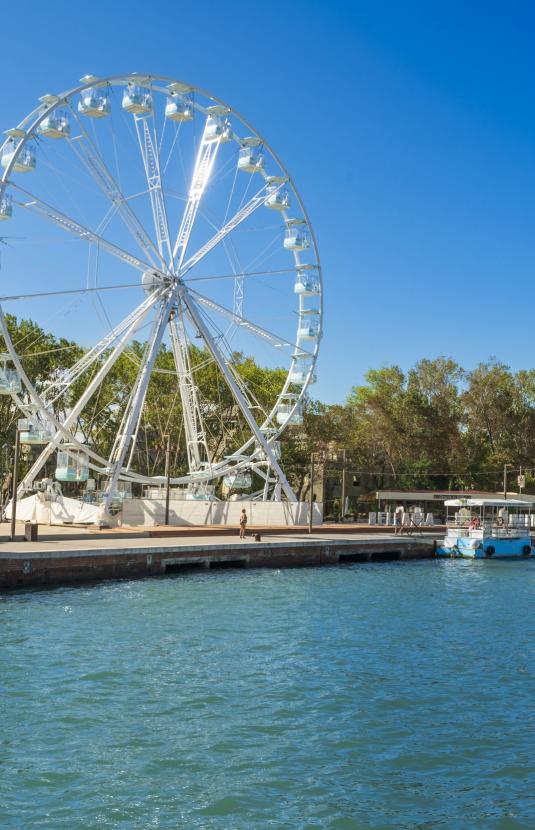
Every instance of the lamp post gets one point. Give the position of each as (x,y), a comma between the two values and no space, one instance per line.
(343,499)
(505,466)
(14,485)
(311,495)
(167,477)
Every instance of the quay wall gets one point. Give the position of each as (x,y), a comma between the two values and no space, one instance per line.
(63,567)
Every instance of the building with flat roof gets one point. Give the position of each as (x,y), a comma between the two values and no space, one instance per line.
(432,501)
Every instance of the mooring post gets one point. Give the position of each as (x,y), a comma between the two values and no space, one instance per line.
(15,484)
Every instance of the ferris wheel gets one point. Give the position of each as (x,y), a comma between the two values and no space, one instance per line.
(156,220)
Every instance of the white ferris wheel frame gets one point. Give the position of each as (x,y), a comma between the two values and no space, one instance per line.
(171,296)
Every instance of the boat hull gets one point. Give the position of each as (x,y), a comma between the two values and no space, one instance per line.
(489,547)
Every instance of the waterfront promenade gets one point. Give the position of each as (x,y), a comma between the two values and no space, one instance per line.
(71,555)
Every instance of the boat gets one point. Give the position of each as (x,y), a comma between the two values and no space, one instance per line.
(487,528)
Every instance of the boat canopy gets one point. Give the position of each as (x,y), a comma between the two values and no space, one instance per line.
(487,503)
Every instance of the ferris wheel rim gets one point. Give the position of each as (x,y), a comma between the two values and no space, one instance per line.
(30,123)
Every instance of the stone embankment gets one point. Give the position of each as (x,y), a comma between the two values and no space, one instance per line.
(77,557)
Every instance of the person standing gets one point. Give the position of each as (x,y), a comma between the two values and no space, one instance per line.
(243,523)
(398,520)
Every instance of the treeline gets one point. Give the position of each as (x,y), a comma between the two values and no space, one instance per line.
(435,426)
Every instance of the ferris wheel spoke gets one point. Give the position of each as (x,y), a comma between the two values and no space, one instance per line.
(196,443)
(221,361)
(150,154)
(204,163)
(87,152)
(38,206)
(248,325)
(241,274)
(67,292)
(253,204)
(129,324)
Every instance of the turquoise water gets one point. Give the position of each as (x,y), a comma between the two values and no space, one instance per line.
(369,696)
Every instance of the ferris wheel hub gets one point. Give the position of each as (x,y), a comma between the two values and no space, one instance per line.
(152,280)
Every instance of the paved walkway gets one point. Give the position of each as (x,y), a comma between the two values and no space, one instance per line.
(63,540)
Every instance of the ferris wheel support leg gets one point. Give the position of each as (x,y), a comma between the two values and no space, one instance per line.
(88,393)
(236,391)
(138,396)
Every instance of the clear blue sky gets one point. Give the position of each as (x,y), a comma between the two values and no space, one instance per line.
(409,129)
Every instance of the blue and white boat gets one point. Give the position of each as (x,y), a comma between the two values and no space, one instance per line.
(487,528)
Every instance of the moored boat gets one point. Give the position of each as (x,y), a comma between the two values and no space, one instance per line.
(487,528)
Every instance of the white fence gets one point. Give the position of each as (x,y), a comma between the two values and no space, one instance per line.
(150,512)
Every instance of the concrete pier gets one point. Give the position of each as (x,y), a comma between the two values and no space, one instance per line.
(76,558)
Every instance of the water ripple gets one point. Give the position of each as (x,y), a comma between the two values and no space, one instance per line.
(354,698)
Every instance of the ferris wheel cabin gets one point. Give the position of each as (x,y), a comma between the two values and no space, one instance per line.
(94,103)
(6,207)
(238,481)
(34,431)
(71,465)
(284,410)
(137,100)
(26,161)
(307,283)
(250,158)
(179,108)
(277,198)
(296,238)
(301,373)
(55,125)
(309,324)
(10,382)
(217,129)
(275,447)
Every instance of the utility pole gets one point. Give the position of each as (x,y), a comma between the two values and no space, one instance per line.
(311,493)
(14,485)
(505,466)
(343,511)
(167,477)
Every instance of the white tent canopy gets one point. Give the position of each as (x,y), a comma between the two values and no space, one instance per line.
(59,511)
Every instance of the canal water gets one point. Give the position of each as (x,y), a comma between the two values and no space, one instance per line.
(366,696)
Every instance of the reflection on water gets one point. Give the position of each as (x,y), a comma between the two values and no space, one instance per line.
(365,696)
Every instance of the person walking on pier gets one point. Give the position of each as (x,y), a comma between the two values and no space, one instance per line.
(243,523)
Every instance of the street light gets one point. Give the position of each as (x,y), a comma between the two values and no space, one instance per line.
(321,457)
(311,494)
(167,476)
(505,466)
(15,484)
